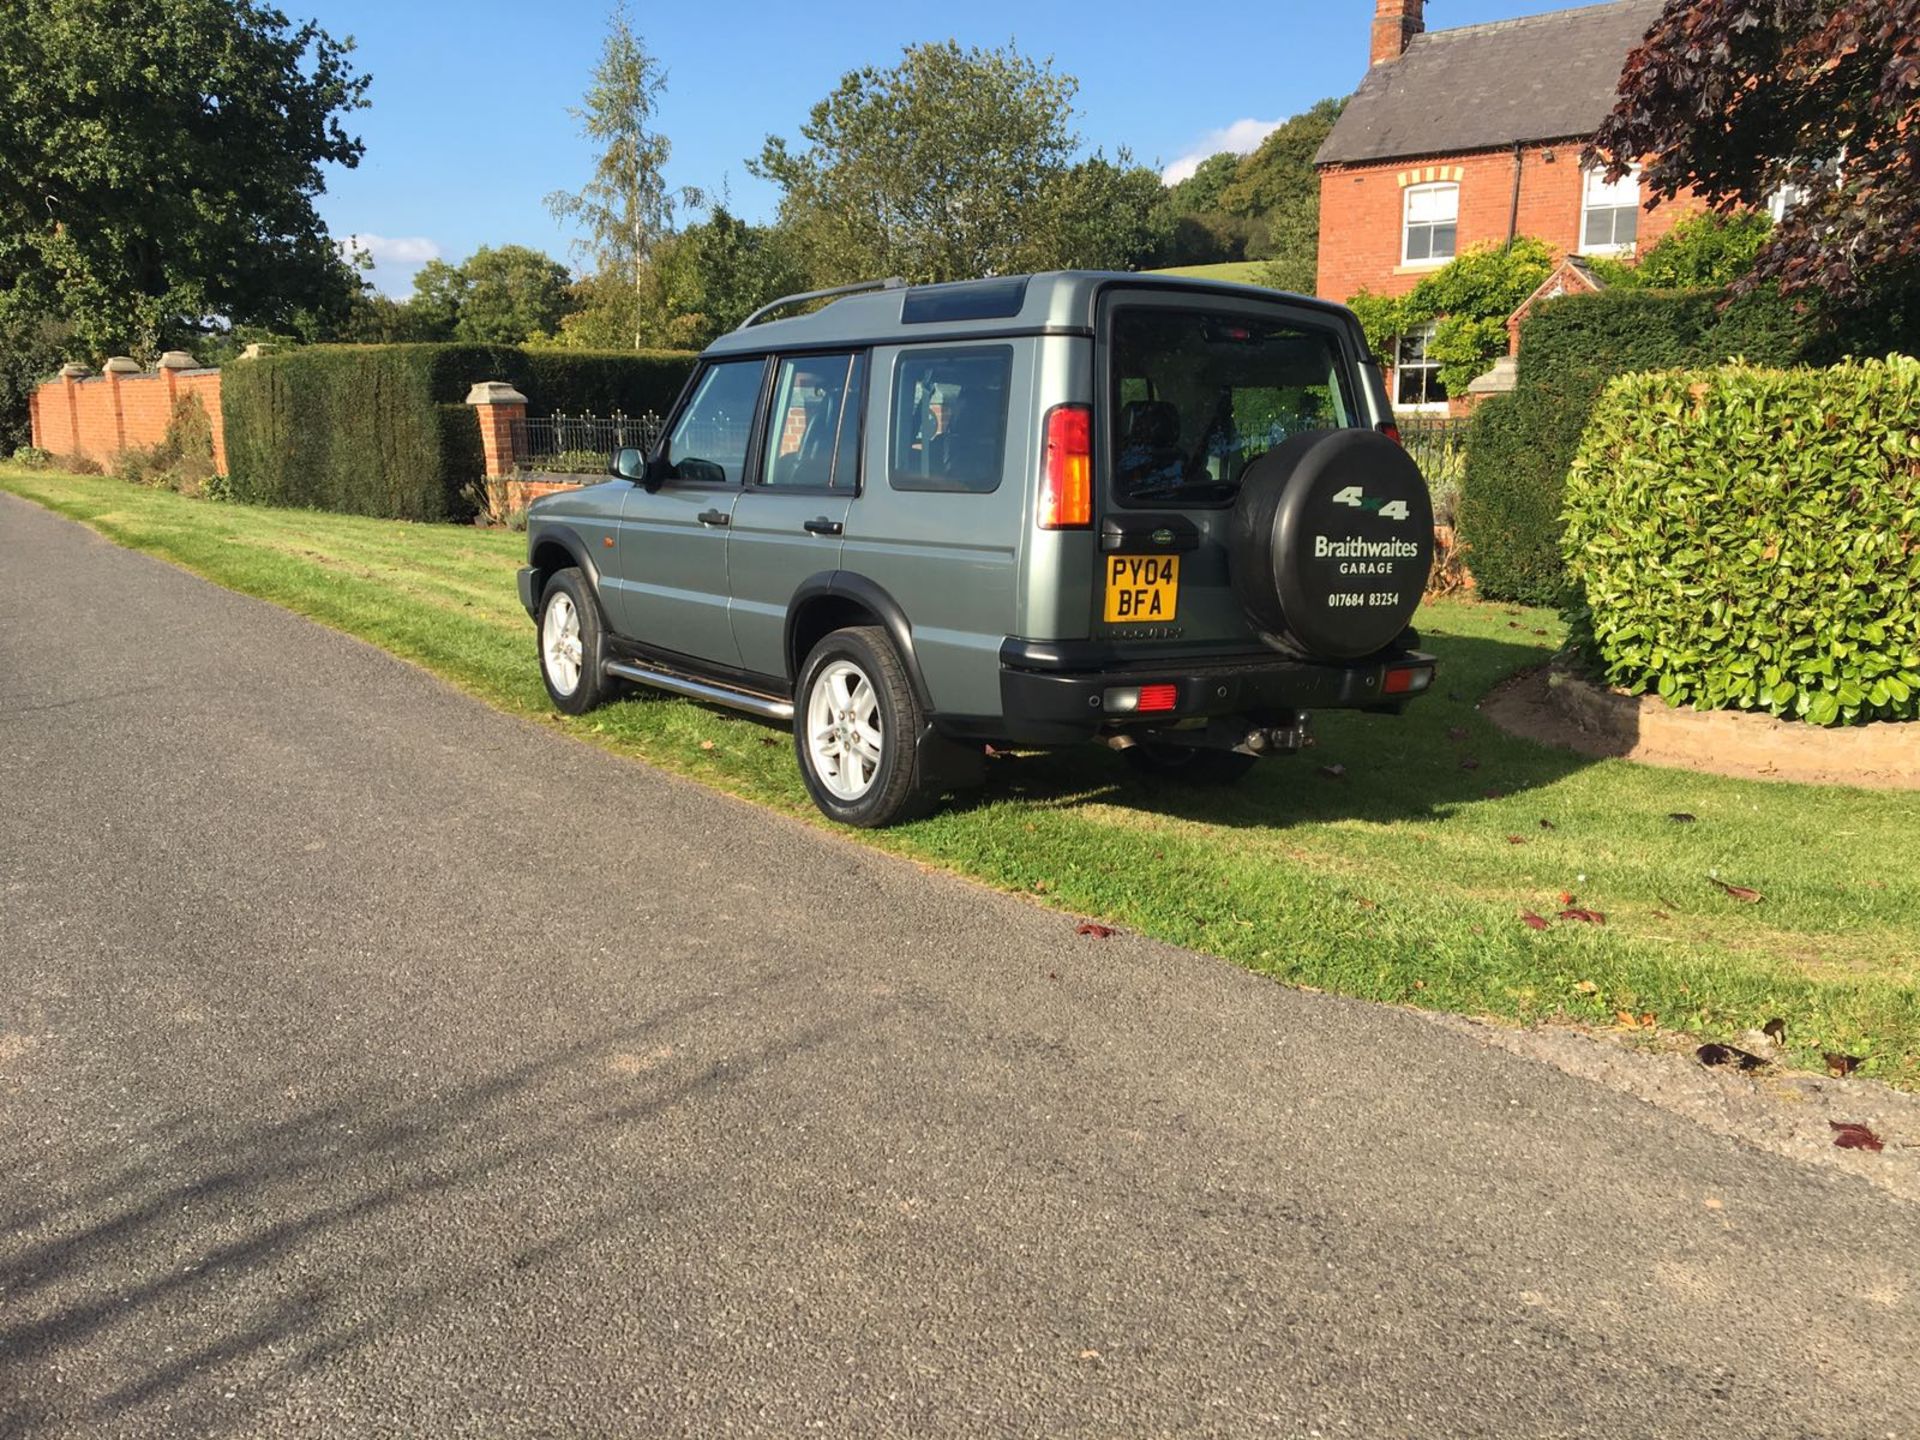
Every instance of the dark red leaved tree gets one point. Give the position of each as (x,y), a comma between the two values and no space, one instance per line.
(1735,99)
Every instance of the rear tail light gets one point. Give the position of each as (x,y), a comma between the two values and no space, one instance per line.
(1158,697)
(1141,699)
(1407,680)
(1390,430)
(1066,474)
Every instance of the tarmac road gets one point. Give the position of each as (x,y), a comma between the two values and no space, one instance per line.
(372,1063)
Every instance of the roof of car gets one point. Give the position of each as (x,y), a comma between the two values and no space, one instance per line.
(1057,302)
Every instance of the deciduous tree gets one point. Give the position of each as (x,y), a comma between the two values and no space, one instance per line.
(627,209)
(932,170)
(159,162)
(1736,99)
(499,295)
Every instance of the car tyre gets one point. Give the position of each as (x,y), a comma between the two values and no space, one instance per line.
(572,644)
(1189,764)
(856,731)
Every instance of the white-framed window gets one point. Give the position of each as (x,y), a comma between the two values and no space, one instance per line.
(1431,225)
(1609,212)
(1416,378)
(1784,201)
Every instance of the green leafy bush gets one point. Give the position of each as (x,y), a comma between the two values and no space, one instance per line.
(1467,300)
(1749,539)
(383,430)
(32,457)
(1520,445)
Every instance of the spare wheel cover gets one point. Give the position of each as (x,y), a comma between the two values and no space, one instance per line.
(1331,544)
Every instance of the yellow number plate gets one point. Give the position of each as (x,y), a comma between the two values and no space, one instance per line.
(1142,589)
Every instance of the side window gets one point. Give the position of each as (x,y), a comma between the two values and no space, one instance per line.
(813,429)
(710,441)
(950,419)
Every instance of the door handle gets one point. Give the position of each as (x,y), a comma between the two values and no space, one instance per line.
(713,517)
(822,526)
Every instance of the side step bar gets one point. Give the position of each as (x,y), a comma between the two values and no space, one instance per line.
(767,707)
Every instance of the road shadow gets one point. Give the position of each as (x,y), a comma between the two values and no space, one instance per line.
(251,1242)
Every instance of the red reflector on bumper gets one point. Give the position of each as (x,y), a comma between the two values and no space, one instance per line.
(1402,682)
(1158,697)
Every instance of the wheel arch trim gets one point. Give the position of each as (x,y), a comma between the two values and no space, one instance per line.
(849,586)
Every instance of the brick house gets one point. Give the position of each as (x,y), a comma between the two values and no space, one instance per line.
(1460,137)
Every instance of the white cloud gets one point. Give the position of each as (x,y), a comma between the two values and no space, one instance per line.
(395,257)
(1242,137)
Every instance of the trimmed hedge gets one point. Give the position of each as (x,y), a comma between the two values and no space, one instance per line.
(1749,539)
(1520,445)
(383,430)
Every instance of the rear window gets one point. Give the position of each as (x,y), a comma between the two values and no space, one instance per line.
(1198,396)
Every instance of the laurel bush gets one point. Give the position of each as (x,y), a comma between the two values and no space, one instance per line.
(1744,538)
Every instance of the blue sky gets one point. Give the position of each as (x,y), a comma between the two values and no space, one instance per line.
(469,130)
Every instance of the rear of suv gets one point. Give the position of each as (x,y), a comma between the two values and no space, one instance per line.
(1163,514)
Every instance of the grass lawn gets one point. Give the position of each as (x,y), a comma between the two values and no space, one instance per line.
(1402,880)
(1240,272)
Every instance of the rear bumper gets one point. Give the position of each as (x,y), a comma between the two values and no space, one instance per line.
(1048,697)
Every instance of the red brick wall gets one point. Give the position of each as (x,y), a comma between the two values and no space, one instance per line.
(1360,212)
(99,416)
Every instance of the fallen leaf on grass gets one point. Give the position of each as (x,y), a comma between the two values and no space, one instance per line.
(772,740)
(706,745)
(1098,932)
(1532,921)
(1457,733)
(1741,893)
(1775,1030)
(1659,914)
(1681,817)
(1849,1135)
(1841,1066)
(1467,762)
(1586,987)
(1366,904)
(1566,897)
(1585,917)
(1548,825)
(1334,772)
(1728,1055)
(1516,839)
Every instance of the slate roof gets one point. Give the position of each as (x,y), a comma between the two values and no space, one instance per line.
(1482,87)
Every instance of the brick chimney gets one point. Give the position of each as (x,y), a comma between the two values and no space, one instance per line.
(1395,23)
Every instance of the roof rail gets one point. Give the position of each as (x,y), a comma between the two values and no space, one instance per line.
(892,282)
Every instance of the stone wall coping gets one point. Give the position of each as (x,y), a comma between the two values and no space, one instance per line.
(177,360)
(494,392)
(123,365)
